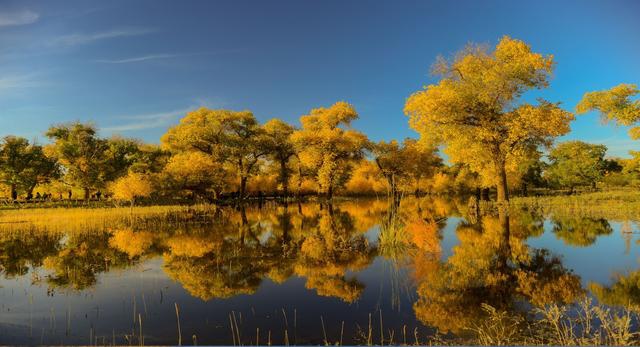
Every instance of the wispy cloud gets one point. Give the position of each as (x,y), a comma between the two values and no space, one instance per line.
(160,56)
(81,39)
(22,17)
(148,121)
(13,82)
(140,58)
(160,119)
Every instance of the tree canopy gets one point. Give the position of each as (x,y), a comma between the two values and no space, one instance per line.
(476,112)
(326,147)
(616,105)
(575,163)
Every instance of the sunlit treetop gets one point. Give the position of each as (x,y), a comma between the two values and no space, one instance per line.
(616,105)
(475,111)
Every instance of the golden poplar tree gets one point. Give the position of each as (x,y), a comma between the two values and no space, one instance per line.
(327,146)
(615,104)
(475,109)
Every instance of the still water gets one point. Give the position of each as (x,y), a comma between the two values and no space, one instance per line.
(353,272)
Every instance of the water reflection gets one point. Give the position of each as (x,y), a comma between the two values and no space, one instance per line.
(493,265)
(232,252)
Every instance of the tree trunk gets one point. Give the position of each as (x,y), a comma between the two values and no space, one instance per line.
(503,189)
(14,192)
(87,194)
(330,192)
(243,187)
(284,179)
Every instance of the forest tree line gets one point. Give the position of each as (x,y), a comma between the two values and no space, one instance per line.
(475,115)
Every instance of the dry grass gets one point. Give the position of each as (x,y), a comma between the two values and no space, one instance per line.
(87,219)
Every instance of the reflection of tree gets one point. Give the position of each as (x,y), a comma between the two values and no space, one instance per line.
(80,258)
(580,231)
(331,248)
(217,261)
(625,290)
(133,243)
(26,249)
(491,265)
(214,256)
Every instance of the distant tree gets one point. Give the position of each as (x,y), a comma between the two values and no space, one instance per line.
(90,162)
(24,165)
(423,161)
(405,164)
(532,174)
(326,147)
(132,186)
(225,136)
(149,159)
(392,162)
(195,172)
(474,110)
(280,148)
(121,153)
(576,163)
(615,104)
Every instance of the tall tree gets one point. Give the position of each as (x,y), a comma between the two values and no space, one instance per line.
(24,165)
(326,147)
(195,172)
(280,147)
(576,163)
(423,161)
(89,161)
(475,108)
(615,104)
(226,136)
(392,162)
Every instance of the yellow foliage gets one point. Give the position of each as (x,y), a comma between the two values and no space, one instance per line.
(191,246)
(441,183)
(131,242)
(365,179)
(473,109)
(132,186)
(424,235)
(325,147)
(615,104)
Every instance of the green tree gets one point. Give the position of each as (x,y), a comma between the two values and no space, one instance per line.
(24,165)
(235,138)
(576,163)
(475,108)
(89,161)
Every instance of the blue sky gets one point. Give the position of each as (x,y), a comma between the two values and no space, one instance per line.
(136,67)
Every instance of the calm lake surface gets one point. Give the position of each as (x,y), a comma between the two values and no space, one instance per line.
(298,273)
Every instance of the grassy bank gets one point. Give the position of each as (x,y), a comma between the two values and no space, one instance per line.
(614,205)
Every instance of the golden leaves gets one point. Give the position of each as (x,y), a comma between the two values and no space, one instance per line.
(473,109)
